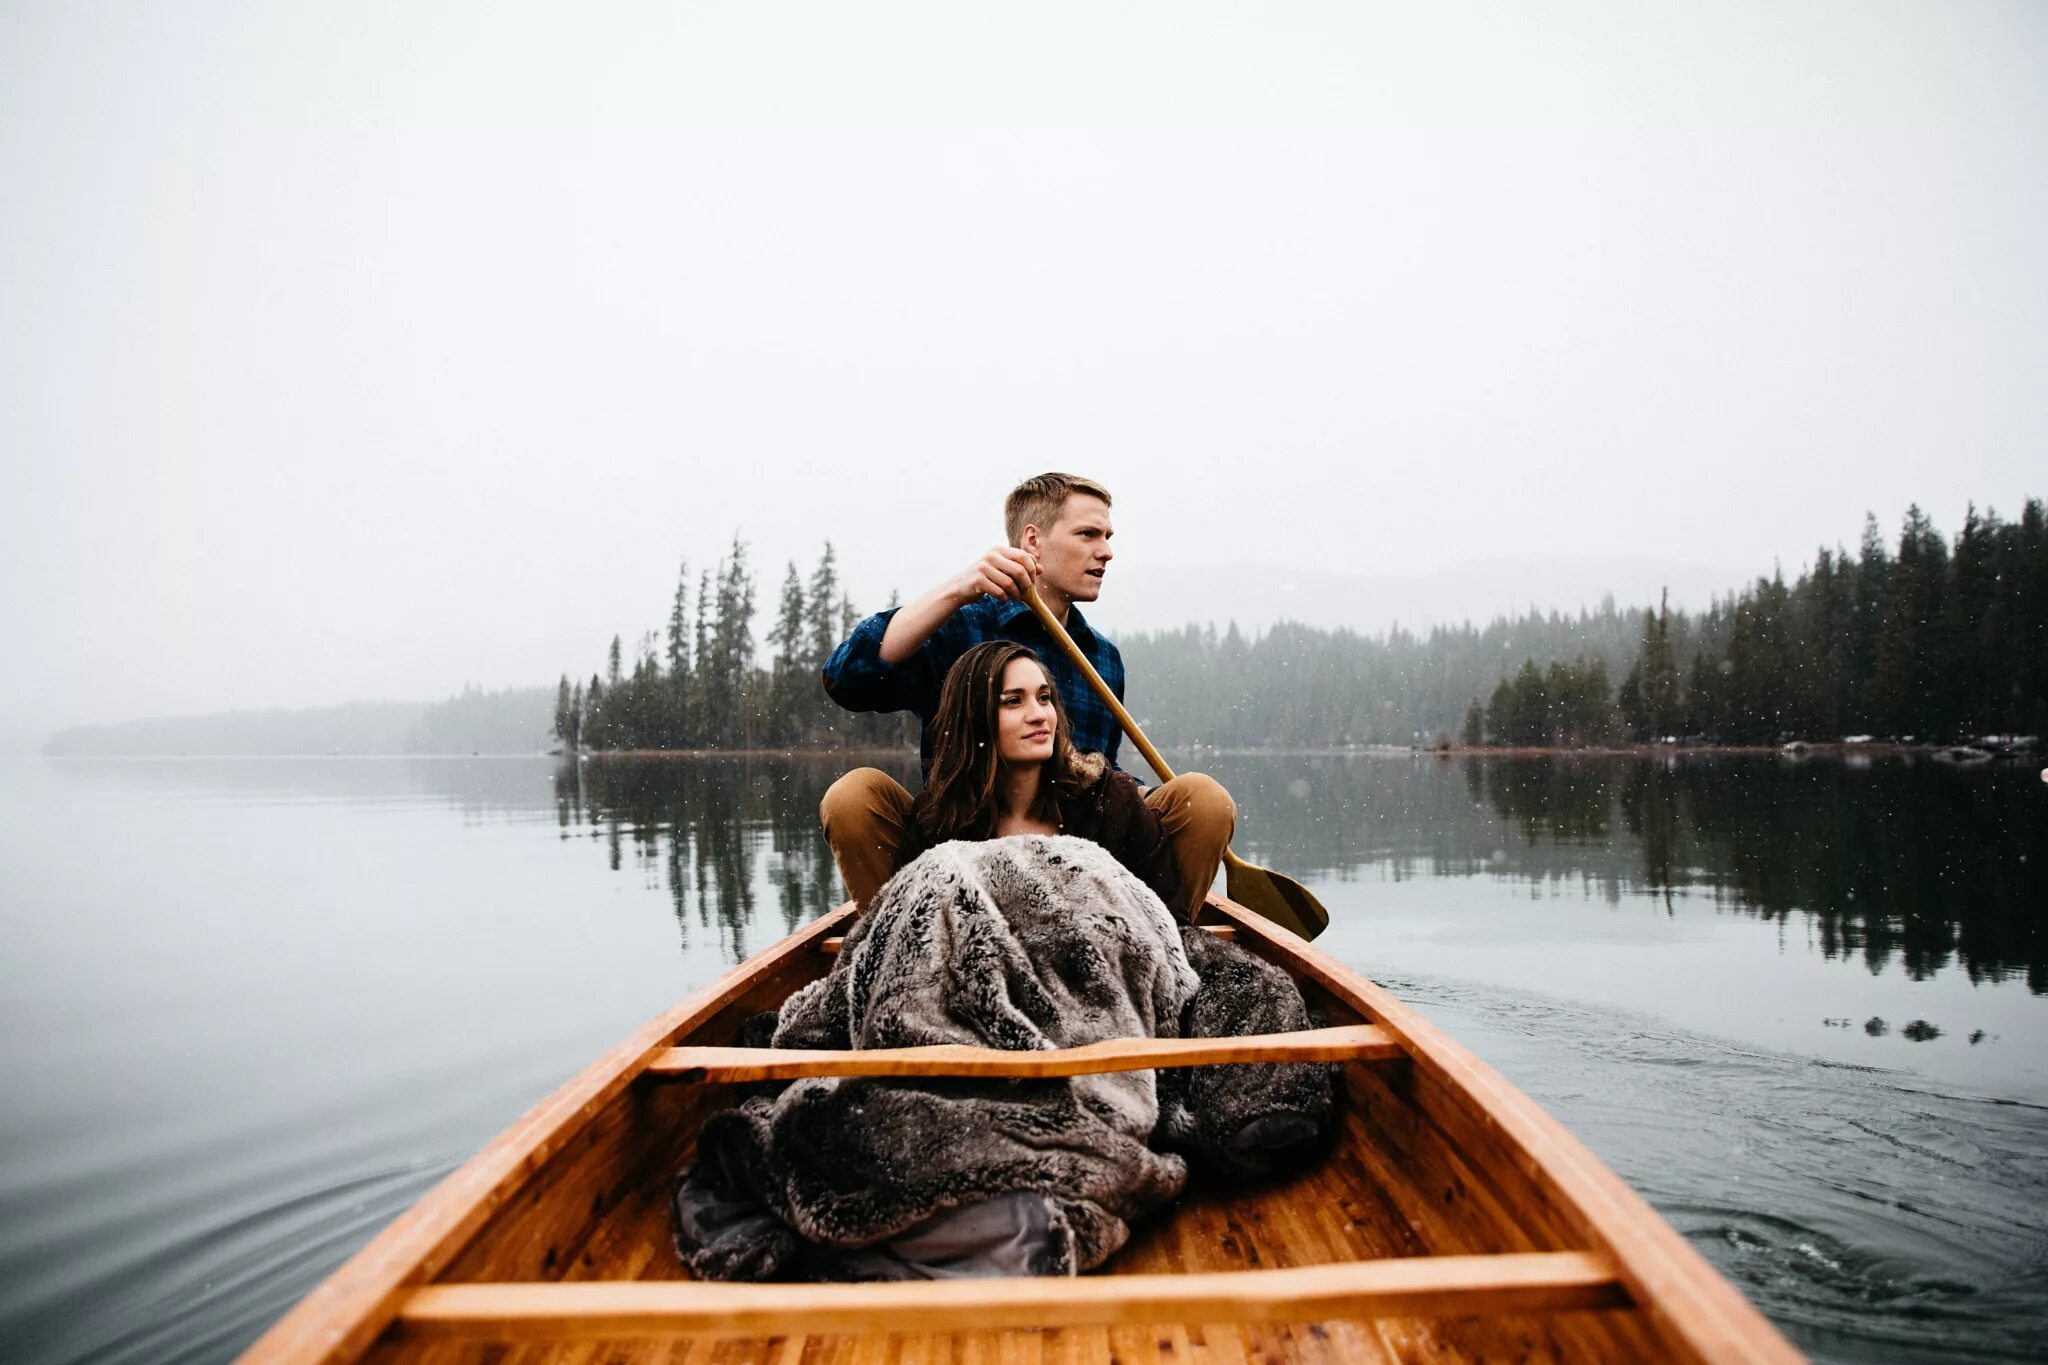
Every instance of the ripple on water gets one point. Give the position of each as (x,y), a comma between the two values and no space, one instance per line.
(1871,1217)
(211,1285)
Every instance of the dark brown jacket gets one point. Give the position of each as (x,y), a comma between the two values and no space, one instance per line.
(1112,812)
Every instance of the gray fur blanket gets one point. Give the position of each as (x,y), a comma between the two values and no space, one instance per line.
(1022,944)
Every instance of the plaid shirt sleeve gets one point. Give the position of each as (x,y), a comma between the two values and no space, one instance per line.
(859,679)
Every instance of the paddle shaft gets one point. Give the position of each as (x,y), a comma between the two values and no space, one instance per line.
(1073,652)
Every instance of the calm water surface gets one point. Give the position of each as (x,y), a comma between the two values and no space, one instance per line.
(253,1008)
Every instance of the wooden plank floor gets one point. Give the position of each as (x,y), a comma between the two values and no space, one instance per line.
(1369,1199)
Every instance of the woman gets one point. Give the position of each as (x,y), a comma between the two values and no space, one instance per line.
(1001,765)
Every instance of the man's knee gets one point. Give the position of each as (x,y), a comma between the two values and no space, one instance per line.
(857,795)
(1198,802)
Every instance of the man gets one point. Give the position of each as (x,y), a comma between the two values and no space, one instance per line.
(1059,538)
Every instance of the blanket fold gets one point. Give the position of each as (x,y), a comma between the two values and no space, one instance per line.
(1022,944)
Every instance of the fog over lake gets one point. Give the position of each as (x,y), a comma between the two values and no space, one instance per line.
(360,354)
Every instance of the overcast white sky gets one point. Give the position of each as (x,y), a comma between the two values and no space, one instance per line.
(360,350)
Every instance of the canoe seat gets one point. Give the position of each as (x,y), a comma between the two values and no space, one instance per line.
(1226,932)
(1349,1043)
(1405,1286)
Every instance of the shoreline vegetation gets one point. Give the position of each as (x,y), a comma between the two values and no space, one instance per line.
(1928,638)
(1928,641)
(908,753)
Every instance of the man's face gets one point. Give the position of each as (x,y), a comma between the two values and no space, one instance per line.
(1075,552)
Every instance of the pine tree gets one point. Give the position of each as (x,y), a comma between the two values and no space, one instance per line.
(1500,713)
(2027,638)
(1866,621)
(676,729)
(703,729)
(1907,664)
(794,683)
(1530,722)
(1827,626)
(1474,725)
(1964,637)
(822,606)
(1649,702)
(1703,697)
(565,722)
(730,677)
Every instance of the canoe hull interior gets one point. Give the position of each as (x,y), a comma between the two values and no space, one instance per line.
(1428,1164)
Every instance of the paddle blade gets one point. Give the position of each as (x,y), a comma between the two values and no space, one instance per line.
(1276,897)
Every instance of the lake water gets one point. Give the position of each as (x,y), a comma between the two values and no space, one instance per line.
(255,1007)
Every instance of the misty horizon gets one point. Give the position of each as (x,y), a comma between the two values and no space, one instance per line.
(1322,600)
(358,354)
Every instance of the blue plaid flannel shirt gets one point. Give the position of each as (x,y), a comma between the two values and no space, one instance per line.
(858,679)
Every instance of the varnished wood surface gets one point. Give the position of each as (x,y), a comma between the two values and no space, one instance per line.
(1226,932)
(1355,1042)
(1414,1287)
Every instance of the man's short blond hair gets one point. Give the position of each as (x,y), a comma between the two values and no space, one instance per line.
(1039,501)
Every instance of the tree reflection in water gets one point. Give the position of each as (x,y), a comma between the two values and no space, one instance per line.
(708,827)
(1895,859)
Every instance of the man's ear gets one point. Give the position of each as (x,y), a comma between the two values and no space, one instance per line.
(1027,539)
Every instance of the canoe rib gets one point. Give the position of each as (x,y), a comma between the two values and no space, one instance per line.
(1351,1043)
(1418,1286)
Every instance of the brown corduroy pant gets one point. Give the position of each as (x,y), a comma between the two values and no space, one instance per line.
(866,815)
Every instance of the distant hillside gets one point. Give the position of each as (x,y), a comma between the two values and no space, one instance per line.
(516,720)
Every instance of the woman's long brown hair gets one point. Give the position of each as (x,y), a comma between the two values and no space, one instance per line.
(961,788)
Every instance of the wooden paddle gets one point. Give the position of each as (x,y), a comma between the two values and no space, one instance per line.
(1278,898)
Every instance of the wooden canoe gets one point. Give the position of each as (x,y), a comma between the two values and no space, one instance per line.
(1455,1220)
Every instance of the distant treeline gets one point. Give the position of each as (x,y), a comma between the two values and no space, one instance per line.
(701,685)
(1930,641)
(1301,686)
(1933,641)
(511,721)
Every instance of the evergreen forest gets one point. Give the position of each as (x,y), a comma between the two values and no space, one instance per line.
(700,683)
(1925,638)
(1929,639)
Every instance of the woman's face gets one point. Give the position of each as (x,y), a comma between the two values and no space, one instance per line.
(1024,715)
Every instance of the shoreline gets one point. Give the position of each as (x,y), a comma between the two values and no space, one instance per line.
(1807,749)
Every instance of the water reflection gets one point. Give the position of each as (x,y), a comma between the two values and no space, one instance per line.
(1895,862)
(1914,863)
(708,826)
(411,952)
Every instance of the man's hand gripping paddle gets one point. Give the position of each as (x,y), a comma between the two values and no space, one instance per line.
(1278,898)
